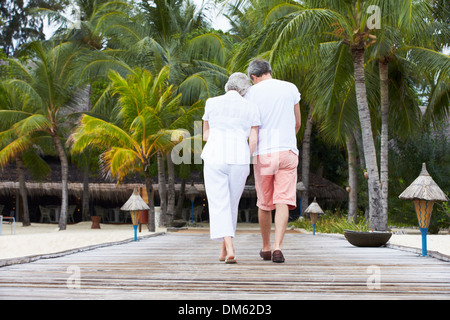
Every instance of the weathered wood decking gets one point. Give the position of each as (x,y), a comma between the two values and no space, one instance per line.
(185,266)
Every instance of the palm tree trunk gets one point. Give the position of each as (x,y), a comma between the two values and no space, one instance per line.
(64,182)
(306,157)
(85,198)
(384,153)
(23,192)
(181,197)
(352,179)
(359,144)
(376,219)
(151,201)
(162,187)
(170,189)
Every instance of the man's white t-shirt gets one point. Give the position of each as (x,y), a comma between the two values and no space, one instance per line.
(230,119)
(275,100)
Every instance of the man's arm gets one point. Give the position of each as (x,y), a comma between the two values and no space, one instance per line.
(205,130)
(298,118)
(253,140)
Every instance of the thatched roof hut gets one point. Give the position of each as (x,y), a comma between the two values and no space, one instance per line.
(322,188)
(100,189)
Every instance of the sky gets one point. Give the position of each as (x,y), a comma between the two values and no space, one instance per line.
(218,20)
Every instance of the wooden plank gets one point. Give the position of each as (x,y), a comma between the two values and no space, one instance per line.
(185,266)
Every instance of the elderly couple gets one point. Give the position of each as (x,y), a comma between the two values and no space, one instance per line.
(259,121)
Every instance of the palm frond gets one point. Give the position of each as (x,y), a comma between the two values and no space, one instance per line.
(117,163)
(33,123)
(11,117)
(94,131)
(428,60)
(14,147)
(197,87)
(208,46)
(37,167)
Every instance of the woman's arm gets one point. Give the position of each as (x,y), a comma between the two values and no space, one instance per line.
(205,130)
(253,140)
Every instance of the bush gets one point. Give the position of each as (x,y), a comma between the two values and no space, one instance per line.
(330,223)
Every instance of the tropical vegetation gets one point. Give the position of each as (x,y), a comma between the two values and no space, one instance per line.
(373,74)
(332,223)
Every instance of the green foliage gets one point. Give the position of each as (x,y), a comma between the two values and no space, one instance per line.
(446,207)
(405,163)
(307,43)
(331,223)
(17,26)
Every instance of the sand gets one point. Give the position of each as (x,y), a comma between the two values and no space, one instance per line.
(41,239)
(439,243)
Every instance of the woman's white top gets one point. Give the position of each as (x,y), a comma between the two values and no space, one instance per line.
(230,119)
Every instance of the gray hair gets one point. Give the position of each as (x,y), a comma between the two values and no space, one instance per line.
(259,68)
(238,81)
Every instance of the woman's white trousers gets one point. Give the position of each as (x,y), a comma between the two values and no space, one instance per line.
(224,184)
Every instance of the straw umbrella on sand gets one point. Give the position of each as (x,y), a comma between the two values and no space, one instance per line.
(424,192)
(314,210)
(424,188)
(135,204)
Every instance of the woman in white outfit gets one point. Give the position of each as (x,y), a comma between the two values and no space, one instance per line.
(231,131)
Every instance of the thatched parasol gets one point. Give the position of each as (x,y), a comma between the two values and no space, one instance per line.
(424,188)
(135,205)
(424,192)
(314,210)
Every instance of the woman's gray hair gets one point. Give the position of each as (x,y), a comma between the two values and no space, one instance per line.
(238,81)
(259,68)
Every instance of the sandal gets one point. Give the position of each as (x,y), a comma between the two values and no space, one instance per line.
(277,256)
(230,260)
(266,255)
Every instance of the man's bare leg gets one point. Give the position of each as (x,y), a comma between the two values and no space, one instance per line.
(281,221)
(265,225)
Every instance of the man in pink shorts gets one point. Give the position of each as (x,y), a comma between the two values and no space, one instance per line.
(276,157)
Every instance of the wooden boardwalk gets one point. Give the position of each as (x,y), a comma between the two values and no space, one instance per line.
(185,266)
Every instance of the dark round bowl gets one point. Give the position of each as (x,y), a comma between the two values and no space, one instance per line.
(367,239)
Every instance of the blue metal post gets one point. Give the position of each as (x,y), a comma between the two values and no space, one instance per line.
(314,229)
(424,232)
(135,232)
(300,205)
(192,212)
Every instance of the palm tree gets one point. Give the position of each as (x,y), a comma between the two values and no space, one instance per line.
(138,133)
(171,34)
(344,34)
(23,151)
(406,26)
(343,25)
(332,109)
(47,83)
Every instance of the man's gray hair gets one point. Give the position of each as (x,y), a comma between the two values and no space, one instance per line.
(259,68)
(238,81)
